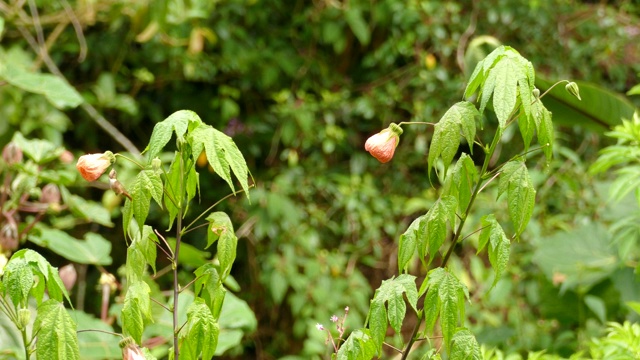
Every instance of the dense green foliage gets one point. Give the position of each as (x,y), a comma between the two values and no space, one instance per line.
(299,86)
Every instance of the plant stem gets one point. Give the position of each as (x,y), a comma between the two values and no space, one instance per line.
(407,349)
(26,343)
(174,262)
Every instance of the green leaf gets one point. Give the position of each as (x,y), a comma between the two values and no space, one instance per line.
(581,258)
(445,298)
(56,333)
(236,319)
(47,275)
(86,210)
(200,334)
(209,287)
(634,90)
(465,346)
(136,310)
(177,122)
(599,110)
(222,153)
(391,292)
(39,150)
(442,212)
(521,196)
(481,70)
(409,242)
(173,196)
(377,322)
(94,249)
(146,185)
(544,127)
(460,118)
(353,16)
(358,346)
(461,181)
(221,229)
(146,243)
(499,245)
(57,90)
(18,280)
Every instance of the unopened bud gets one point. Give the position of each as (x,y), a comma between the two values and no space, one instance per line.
(116,185)
(11,153)
(130,350)
(536,93)
(92,166)
(383,144)
(156,164)
(66,157)
(50,194)
(9,237)
(108,279)
(68,275)
(24,317)
(573,89)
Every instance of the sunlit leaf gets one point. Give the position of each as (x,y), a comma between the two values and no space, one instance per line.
(56,333)
(459,120)
(136,310)
(461,181)
(221,229)
(146,185)
(94,249)
(409,242)
(358,346)
(209,287)
(465,346)
(521,195)
(177,122)
(200,334)
(499,245)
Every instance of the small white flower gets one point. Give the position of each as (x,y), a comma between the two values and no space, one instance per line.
(319,327)
(333,318)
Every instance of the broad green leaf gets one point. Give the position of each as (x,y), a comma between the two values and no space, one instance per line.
(599,110)
(222,153)
(209,287)
(56,333)
(146,243)
(18,280)
(39,150)
(634,90)
(94,249)
(481,70)
(391,293)
(580,258)
(221,229)
(521,196)
(465,346)
(84,209)
(442,212)
(461,181)
(136,310)
(460,119)
(499,245)
(505,93)
(57,90)
(177,122)
(358,346)
(236,319)
(95,345)
(47,275)
(146,185)
(445,298)
(135,264)
(200,334)
(409,242)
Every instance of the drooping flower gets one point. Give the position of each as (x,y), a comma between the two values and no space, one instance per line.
(383,144)
(91,166)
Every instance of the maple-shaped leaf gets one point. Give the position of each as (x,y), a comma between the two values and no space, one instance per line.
(459,120)
(445,299)
(146,185)
(178,122)
(358,346)
(200,334)
(222,153)
(441,213)
(465,346)
(521,195)
(461,181)
(136,310)
(56,333)
(499,245)
(508,78)
(391,293)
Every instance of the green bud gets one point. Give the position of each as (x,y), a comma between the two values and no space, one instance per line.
(156,164)
(24,317)
(573,89)
(536,93)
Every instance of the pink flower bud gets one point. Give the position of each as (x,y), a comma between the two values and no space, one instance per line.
(50,194)
(68,275)
(130,351)
(91,166)
(12,153)
(66,157)
(383,144)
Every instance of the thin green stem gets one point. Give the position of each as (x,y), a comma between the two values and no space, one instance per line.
(176,253)
(189,284)
(100,331)
(412,339)
(188,227)
(161,304)
(416,123)
(549,89)
(23,331)
(131,160)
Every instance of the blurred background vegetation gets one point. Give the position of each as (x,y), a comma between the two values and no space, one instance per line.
(300,85)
